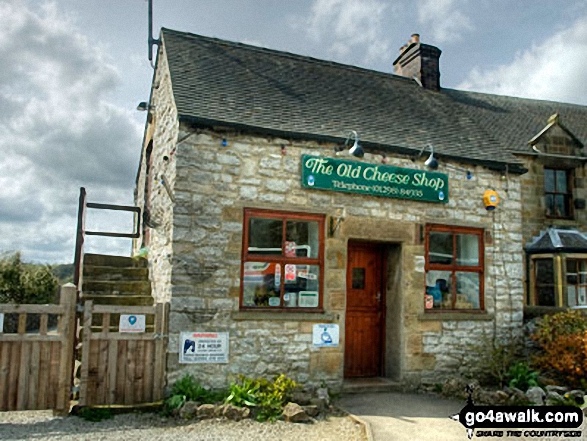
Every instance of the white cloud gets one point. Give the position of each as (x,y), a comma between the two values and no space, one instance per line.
(350,26)
(555,69)
(59,130)
(444,20)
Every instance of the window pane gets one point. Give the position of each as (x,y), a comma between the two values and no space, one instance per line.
(440,248)
(467,290)
(261,284)
(438,287)
(572,278)
(301,288)
(358,278)
(544,278)
(302,239)
(582,272)
(549,203)
(561,181)
(560,206)
(467,249)
(571,295)
(265,236)
(548,180)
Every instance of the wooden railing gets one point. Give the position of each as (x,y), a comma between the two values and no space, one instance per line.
(36,365)
(82,233)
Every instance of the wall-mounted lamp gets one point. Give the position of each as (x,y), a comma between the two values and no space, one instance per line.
(335,221)
(431,162)
(144,106)
(356,149)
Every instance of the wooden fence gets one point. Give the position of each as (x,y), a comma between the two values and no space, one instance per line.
(36,365)
(120,368)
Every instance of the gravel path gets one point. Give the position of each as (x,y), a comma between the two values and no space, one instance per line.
(40,425)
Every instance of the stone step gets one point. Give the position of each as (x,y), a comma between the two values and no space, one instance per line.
(117,287)
(115,261)
(110,273)
(118,300)
(369,385)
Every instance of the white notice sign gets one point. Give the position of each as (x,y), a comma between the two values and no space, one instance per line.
(203,347)
(131,323)
(1,323)
(325,335)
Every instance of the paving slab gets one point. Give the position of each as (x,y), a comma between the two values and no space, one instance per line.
(406,417)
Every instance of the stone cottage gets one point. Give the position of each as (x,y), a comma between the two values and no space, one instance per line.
(328,221)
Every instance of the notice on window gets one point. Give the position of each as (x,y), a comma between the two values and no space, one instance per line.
(290,272)
(308,299)
(203,347)
(131,323)
(325,335)
(1,323)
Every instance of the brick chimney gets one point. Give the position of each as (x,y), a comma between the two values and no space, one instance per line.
(420,62)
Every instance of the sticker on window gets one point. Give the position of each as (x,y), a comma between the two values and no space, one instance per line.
(273,301)
(290,248)
(290,272)
(308,299)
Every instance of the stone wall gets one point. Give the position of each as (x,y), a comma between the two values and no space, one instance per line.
(215,183)
(162,131)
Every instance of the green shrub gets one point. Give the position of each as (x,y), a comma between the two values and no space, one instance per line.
(522,377)
(266,397)
(188,388)
(22,283)
(563,341)
(490,361)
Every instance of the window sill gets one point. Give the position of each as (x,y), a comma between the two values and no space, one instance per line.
(318,317)
(531,312)
(457,316)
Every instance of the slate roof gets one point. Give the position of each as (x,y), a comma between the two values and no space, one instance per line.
(557,240)
(220,82)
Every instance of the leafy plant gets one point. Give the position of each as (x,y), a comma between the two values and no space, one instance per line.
(267,397)
(522,377)
(490,360)
(188,388)
(563,341)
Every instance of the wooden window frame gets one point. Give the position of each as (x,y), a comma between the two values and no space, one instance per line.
(454,268)
(282,259)
(568,195)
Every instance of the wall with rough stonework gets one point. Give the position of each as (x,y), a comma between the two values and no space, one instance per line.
(214,184)
(163,131)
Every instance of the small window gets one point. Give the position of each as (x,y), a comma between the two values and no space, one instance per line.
(576,282)
(544,286)
(282,260)
(557,193)
(454,268)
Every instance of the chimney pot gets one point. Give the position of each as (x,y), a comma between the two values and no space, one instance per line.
(415,38)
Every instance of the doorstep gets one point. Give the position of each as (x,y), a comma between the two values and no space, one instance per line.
(369,385)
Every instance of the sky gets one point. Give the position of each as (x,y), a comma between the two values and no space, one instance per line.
(73,72)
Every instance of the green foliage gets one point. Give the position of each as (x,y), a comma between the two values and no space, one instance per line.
(522,377)
(490,360)
(22,283)
(267,397)
(95,414)
(563,341)
(188,388)
(551,327)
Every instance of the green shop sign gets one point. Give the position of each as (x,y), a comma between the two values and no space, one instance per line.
(377,180)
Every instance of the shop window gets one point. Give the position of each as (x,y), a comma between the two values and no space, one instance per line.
(282,263)
(576,270)
(544,284)
(557,193)
(454,268)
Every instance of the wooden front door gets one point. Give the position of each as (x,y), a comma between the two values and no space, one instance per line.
(364,311)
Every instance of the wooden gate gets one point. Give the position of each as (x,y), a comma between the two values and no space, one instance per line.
(122,368)
(36,365)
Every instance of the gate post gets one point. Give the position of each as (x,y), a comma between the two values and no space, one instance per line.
(68,300)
